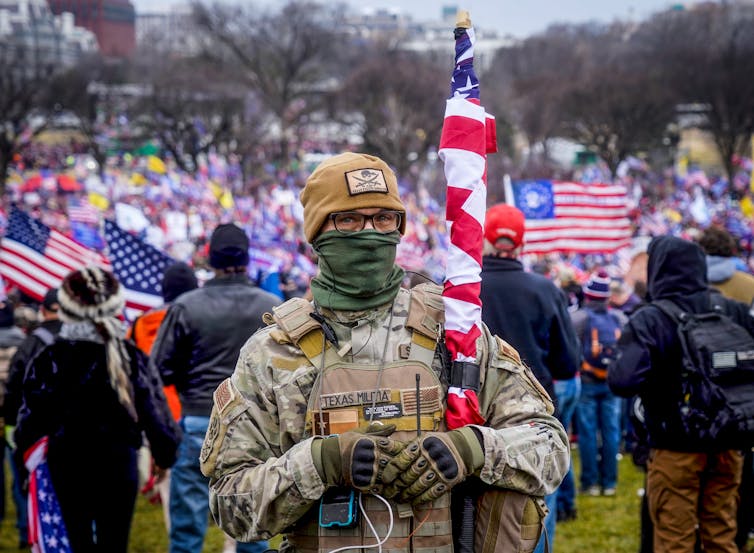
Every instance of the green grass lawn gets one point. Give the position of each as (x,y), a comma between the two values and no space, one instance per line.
(604,524)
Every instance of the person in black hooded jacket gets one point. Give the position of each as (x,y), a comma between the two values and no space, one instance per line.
(687,486)
(92,395)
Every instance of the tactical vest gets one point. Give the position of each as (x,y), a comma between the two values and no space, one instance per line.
(348,395)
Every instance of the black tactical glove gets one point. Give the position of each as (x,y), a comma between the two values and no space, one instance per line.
(356,458)
(430,465)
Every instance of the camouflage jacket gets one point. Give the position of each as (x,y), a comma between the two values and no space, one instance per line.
(257,452)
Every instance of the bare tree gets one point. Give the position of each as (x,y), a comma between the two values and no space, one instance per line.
(192,106)
(531,79)
(82,91)
(707,56)
(400,98)
(284,57)
(618,103)
(22,80)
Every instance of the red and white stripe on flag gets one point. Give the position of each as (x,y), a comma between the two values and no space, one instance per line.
(463,148)
(35,272)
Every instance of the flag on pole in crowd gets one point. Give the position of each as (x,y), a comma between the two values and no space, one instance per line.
(571,216)
(36,258)
(47,532)
(138,266)
(467,137)
(81,211)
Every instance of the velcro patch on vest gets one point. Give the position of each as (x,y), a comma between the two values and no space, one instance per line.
(507,350)
(430,400)
(224,394)
(362,181)
(356,397)
(336,422)
(384,411)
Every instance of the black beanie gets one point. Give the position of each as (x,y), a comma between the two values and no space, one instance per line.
(228,247)
(50,300)
(177,279)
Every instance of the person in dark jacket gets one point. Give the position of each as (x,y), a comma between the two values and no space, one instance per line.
(197,347)
(36,341)
(92,395)
(531,313)
(599,411)
(40,338)
(687,486)
(11,338)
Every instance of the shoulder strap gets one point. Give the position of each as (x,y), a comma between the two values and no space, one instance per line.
(293,317)
(426,316)
(717,301)
(44,335)
(670,309)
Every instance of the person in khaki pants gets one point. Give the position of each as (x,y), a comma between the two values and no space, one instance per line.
(692,488)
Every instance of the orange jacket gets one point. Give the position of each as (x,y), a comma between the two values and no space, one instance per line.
(144,332)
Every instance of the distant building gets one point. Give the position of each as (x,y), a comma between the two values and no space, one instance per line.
(169,31)
(112,21)
(32,34)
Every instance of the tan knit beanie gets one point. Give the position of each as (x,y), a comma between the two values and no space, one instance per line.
(347,182)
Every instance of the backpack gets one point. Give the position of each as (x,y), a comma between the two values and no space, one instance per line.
(716,400)
(600,342)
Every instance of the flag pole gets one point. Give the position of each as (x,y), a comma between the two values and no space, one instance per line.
(467,136)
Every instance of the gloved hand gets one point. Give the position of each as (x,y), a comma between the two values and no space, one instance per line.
(356,458)
(432,464)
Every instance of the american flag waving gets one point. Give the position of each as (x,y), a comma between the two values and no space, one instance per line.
(47,532)
(467,137)
(138,266)
(35,257)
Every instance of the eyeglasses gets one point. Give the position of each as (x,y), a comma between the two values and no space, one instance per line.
(353,221)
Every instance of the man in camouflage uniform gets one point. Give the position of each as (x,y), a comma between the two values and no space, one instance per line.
(348,392)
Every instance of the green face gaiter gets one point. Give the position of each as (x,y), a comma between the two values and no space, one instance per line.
(356,271)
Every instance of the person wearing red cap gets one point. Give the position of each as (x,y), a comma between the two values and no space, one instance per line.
(598,327)
(531,313)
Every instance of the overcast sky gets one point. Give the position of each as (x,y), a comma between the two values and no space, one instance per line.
(517,17)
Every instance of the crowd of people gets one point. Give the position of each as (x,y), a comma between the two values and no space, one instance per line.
(260,431)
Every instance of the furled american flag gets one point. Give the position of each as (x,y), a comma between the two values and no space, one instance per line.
(138,266)
(34,257)
(47,532)
(571,216)
(463,149)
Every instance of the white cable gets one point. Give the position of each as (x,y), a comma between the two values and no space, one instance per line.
(380,542)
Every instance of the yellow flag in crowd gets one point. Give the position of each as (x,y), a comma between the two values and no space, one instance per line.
(747,208)
(223,195)
(156,165)
(98,201)
(137,179)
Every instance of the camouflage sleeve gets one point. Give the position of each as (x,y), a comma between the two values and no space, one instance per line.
(526,447)
(256,489)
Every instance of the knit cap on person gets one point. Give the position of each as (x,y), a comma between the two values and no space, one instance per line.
(176,280)
(90,293)
(504,221)
(228,247)
(598,286)
(50,300)
(94,295)
(347,182)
